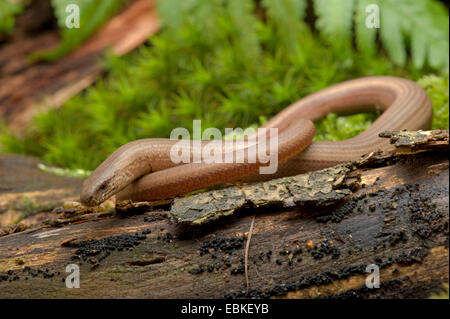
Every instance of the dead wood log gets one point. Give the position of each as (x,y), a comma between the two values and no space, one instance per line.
(397,219)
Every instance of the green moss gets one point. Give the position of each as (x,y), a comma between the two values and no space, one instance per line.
(437,88)
(335,128)
(186,73)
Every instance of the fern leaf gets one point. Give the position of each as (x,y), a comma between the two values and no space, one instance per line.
(335,20)
(426,24)
(438,38)
(59,9)
(438,56)
(421,25)
(365,36)
(391,35)
(299,8)
(419,48)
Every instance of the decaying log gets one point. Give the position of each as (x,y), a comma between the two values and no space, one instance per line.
(391,211)
(26,89)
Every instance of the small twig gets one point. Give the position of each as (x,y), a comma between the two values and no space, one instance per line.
(247,246)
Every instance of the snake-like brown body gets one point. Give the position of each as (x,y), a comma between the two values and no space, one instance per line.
(142,169)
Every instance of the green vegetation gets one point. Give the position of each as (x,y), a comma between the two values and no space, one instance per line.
(421,25)
(75,172)
(93,14)
(437,89)
(8,10)
(230,65)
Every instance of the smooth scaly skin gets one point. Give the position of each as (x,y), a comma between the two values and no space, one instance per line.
(142,170)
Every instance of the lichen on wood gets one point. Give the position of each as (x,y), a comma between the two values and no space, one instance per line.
(417,139)
(319,188)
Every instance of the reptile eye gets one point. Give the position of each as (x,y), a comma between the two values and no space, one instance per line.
(103,186)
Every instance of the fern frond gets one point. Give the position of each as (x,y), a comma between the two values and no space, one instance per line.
(419,48)
(391,34)
(59,9)
(365,37)
(335,20)
(420,25)
(429,31)
(425,23)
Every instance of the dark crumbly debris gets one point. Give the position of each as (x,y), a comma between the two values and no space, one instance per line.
(415,255)
(196,270)
(165,237)
(214,247)
(96,250)
(238,270)
(325,248)
(226,245)
(13,275)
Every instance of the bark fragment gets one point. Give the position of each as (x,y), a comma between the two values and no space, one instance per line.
(320,188)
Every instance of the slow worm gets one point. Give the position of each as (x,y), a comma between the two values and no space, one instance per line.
(142,170)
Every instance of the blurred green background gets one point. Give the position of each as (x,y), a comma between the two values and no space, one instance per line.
(234,63)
